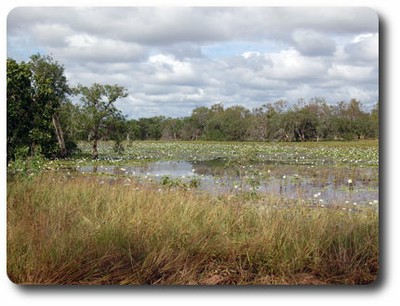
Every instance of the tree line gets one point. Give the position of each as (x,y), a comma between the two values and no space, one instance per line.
(314,120)
(42,119)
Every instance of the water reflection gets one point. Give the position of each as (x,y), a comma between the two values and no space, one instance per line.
(322,185)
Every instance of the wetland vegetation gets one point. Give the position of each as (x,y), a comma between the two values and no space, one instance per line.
(225,196)
(122,224)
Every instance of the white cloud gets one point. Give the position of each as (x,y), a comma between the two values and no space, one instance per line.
(86,47)
(290,64)
(81,41)
(363,47)
(169,70)
(351,73)
(174,59)
(250,54)
(361,37)
(53,35)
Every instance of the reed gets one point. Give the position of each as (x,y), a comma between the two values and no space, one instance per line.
(82,231)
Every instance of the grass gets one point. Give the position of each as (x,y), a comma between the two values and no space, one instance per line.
(77,231)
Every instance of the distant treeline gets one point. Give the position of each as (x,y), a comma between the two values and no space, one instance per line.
(306,121)
(42,119)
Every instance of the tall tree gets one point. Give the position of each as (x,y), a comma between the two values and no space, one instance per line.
(199,119)
(19,106)
(72,118)
(171,128)
(50,89)
(98,105)
(235,123)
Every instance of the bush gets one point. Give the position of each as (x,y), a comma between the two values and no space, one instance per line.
(25,165)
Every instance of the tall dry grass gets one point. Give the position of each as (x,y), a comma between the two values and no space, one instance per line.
(79,231)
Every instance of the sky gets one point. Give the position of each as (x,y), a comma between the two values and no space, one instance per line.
(174,59)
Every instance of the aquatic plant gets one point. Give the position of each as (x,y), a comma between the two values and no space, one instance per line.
(360,153)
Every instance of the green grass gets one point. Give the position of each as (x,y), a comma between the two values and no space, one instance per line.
(78,231)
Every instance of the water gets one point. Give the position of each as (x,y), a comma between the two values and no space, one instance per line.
(323,186)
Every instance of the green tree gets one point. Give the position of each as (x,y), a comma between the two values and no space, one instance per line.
(188,131)
(50,89)
(274,116)
(214,129)
(98,105)
(116,129)
(151,128)
(198,123)
(72,120)
(19,106)
(352,120)
(235,122)
(133,129)
(171,128)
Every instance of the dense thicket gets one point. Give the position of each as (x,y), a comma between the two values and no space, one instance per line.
(41,118)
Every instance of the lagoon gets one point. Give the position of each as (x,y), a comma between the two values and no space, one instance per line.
(322,185)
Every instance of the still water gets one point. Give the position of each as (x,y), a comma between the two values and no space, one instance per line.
(324,186)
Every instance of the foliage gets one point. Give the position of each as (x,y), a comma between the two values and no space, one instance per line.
(150,128)
(115,128)
(178,182)
(98,106)
(25,165)
(35,93)
(70,115)
(312,121)
(19,107)
(50,87)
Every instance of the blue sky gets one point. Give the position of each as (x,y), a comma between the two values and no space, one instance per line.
(174,59)
(233,48)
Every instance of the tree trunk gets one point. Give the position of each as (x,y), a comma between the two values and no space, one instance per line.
(33,148)
(95,153)
(60,135)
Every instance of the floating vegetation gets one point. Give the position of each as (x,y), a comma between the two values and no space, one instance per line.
(358,153)
(341,171)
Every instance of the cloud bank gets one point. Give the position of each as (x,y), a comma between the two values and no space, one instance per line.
(172,60)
